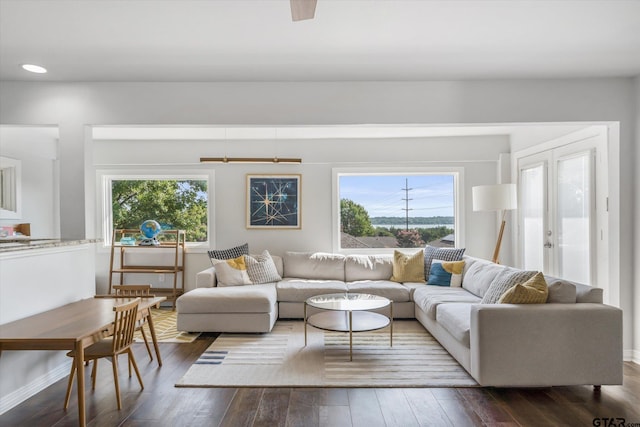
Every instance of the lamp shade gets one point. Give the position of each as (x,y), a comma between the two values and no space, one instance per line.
(495,197)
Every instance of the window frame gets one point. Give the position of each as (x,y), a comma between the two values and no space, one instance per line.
(105,215)
(458,201)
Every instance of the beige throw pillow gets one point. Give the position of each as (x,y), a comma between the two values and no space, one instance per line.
(408,268)
(533,291)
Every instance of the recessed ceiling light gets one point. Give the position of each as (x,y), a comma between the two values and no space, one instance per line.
(34,68)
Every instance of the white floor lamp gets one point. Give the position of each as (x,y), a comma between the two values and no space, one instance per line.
(499,197)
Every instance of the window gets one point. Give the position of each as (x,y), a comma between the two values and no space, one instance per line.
(176,202)
(396,210)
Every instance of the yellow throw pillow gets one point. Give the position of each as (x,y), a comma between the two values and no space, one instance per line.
(408,268)
(533,291)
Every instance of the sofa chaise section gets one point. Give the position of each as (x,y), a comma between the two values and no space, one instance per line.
(228,309)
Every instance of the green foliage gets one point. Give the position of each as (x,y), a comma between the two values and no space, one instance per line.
(383,232)
(354,219)
(175,204)
(431,234)
(409,239)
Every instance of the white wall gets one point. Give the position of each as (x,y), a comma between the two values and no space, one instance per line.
(44,279)
(477,156)
(72,106)
(37,152)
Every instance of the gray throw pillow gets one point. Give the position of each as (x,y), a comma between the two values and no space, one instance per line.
(505,280)
(230,253)
(261,268)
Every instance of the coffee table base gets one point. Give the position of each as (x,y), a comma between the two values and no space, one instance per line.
(349,321)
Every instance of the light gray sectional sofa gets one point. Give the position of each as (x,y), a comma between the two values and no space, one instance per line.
(572,339)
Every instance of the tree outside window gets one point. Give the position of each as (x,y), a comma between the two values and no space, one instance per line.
(177,204)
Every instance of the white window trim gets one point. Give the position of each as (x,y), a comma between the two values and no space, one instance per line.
(103,190)
(458,200)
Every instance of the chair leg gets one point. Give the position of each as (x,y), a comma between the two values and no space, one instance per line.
(132,361)
(70,384)
(115,380)
(146,342)
(94,374)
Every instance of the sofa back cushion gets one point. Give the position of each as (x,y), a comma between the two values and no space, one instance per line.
(565,291)
(586,293)
(318,265)
(478,275)
(560,291)
(368,267)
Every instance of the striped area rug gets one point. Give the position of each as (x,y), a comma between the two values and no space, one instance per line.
(164,321)
(280,359)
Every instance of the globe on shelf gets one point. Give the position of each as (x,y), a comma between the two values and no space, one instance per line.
(150,230)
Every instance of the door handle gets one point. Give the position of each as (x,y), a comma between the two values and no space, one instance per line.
(548,245)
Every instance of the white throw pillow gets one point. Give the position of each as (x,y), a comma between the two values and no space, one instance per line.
(231,272)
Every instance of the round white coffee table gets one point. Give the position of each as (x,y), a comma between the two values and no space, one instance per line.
(345,312)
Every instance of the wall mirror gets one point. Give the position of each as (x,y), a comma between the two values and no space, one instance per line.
(10,188)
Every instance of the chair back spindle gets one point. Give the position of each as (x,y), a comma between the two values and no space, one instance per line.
(124,325)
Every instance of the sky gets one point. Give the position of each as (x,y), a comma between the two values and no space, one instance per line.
(382,195)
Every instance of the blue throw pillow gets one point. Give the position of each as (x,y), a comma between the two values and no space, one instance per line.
(444,273)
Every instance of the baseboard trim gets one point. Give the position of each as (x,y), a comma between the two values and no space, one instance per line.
(632,356)
(18,396)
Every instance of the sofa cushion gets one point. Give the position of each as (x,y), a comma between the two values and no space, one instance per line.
(261,268)
(428,298)
(396,292)
(446,273)
(506,279)
(232,299)
(478,275)
(560,291)
(586,293)
(231,272)
(408,268)
(308,265)
(298,290)
(368,267)
(456,319)
(445,254)
(533,291)
(228,253)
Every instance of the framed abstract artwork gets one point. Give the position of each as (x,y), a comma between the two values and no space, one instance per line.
(273,201)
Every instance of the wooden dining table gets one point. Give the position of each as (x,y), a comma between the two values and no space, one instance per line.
(73,326)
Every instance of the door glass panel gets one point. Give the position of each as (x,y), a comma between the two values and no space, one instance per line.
(532,214)
(573,218)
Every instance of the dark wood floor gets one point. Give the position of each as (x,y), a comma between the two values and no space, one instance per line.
(161,404)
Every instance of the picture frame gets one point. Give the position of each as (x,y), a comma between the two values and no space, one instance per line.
(274,201)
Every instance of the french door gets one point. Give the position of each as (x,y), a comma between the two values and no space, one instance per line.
(561,229)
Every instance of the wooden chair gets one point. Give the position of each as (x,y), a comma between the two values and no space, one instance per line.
(142,291)
(119,343)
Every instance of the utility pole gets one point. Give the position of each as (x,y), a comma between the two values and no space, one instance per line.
(406,199)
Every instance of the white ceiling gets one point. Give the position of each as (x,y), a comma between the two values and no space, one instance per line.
(255,40)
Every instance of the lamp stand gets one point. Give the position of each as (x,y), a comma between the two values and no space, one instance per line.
(496,252)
